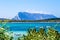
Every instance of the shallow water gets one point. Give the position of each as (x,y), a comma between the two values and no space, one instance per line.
(17,34)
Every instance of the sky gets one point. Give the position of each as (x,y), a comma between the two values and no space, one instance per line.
(10,8)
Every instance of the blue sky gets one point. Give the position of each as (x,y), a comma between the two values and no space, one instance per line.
(10,8)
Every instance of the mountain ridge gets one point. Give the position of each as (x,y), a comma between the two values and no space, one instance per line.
(32,16)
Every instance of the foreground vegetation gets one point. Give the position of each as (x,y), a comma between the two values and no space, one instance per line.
(42,34)
(4,35)
(33,34)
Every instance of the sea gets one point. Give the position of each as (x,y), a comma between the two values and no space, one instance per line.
(21,28)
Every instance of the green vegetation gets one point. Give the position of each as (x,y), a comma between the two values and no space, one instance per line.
(33,34)
(4,35)
(43,20)
(42,34)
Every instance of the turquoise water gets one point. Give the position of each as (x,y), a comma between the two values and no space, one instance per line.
(20,28)
(24,26)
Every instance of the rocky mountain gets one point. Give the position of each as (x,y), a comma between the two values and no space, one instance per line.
(32,16)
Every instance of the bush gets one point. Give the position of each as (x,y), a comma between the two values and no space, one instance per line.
(51,34)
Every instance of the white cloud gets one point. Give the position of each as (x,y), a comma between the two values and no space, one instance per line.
(35,11)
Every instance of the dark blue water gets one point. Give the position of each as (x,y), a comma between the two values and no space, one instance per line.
(24,26)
